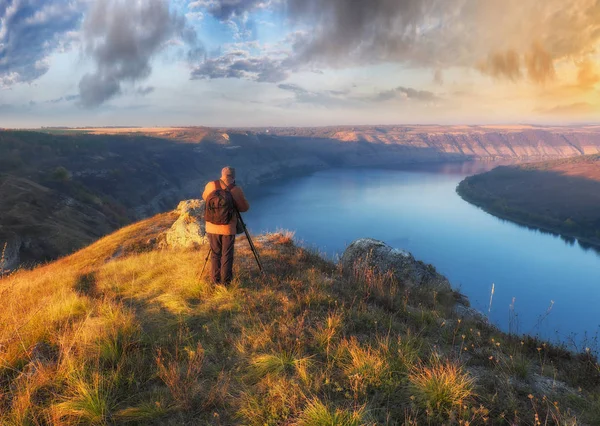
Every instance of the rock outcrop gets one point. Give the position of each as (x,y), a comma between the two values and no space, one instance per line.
(188,231)
(369,253)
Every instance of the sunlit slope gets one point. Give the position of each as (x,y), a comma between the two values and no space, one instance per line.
(125,331)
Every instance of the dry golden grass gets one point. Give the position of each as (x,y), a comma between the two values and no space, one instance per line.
(441,386)
(126,332)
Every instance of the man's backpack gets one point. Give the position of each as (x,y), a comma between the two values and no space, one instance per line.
(220,207)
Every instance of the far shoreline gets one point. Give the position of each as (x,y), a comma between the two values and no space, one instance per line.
(584,243)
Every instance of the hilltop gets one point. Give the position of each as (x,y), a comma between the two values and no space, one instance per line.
(68,187)
(560,196)
(125,331)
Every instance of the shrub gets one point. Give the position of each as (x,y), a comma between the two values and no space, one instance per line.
(61,174)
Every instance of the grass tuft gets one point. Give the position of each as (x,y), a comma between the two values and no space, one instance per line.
(91,401)
(279,364)
(441,386)
(181,373)
(318,414)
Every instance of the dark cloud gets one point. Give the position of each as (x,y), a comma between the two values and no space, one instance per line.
(537,63)
(143,91)
(540,64)
(490,35)
(359,31)
(344,98)
(239,64)
(122,36)
(29,31)
(503,65)
(325,98)
(445,33)
(68,98)
(405,93)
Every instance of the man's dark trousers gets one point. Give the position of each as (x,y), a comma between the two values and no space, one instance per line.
(221,258)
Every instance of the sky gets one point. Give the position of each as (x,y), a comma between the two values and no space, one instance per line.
(298,62)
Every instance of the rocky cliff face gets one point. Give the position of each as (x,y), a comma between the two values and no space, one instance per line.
(466,142)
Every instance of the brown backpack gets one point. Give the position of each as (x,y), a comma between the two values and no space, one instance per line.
(220,207)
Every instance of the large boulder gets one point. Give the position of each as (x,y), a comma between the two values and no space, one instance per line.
(10,247)
(367,253)
(188,231)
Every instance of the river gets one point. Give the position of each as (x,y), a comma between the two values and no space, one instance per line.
(555,284)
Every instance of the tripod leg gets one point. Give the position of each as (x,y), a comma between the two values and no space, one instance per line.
(205,261)
(252,247)
(255,251)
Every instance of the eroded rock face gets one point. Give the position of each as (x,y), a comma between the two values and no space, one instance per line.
(10,246)
(369,253)
(189,230)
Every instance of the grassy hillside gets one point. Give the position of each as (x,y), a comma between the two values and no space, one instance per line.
(558,196)
(125,332)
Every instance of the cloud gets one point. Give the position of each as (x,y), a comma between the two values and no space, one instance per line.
(405,93)
(576,109)
(68,98)
(503,65)
(344,98)
(438,77)
(195,16)
(327,98)
(240,64)
(587,75)
(227,9)
(30,30)
(122,36)
(540,65)
(493,35)
(143,91)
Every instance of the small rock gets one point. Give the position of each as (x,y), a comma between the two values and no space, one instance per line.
(465,312)
(369,253)
(544,385)
(188,231)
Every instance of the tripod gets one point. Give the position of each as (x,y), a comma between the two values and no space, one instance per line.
(252,247)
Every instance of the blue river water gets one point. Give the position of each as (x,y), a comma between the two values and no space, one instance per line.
(555,284)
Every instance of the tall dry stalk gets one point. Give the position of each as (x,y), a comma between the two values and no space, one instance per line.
(3,259)
(491,299)
(513,321)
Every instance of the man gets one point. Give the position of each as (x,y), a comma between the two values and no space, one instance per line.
(221,235)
